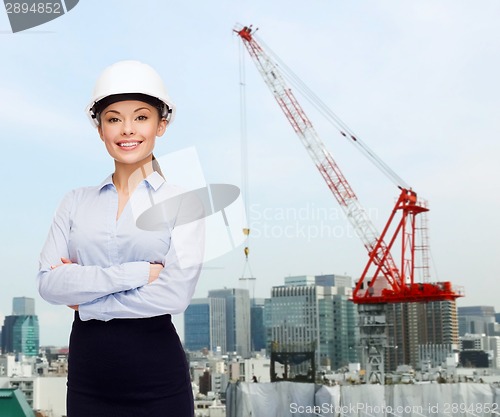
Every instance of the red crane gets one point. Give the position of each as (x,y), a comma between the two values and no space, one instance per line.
(390,282)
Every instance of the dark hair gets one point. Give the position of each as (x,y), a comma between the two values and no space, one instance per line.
(100,105)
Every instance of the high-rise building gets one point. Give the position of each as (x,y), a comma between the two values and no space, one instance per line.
(257,327)
(476,320)
(237,319)
(205,324)
(478,311)
(413,324)
(346,329)
(20,331)
(333,280)
(312,311)
(23,306)
(328,280)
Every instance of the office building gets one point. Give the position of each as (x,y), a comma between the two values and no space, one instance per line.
(476,320)
(346,329)
(20,331)
(311,311)
(257,326)
(333,280)
(328,280)
(205,324)
(23,306)
(237,319)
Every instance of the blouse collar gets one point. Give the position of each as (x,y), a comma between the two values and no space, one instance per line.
(155,180)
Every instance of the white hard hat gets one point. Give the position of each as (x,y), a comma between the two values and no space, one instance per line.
(132,79)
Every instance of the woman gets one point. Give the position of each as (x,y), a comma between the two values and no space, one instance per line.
(125,358)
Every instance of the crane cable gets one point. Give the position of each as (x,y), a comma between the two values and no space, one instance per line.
(244,159)
(334,120)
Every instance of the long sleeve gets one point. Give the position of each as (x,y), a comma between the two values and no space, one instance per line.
(76,284)
(171,293)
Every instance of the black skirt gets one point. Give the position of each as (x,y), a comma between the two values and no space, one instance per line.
(127,368)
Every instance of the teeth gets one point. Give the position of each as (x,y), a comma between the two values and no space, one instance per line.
(128,144)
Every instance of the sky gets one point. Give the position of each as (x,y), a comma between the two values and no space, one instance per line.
(416,80)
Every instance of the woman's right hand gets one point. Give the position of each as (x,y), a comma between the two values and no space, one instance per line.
(154,272)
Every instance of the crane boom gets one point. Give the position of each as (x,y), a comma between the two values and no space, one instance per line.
(399,281)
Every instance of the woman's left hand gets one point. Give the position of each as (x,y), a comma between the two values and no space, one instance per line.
(65,261)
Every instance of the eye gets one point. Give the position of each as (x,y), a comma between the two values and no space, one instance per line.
(142,117)
(113,120)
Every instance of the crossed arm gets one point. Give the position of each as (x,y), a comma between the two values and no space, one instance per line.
(154,271)
(129,290)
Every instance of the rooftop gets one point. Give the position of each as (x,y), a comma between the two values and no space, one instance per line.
(14,404)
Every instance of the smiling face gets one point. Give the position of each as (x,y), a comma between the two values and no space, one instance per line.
(129,129)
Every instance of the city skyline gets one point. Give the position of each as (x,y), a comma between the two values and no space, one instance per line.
(477,319)
(178,320)
(417,82)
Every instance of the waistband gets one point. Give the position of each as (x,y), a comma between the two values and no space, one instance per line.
(143,320)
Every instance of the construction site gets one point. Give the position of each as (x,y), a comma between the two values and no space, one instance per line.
(404,315)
